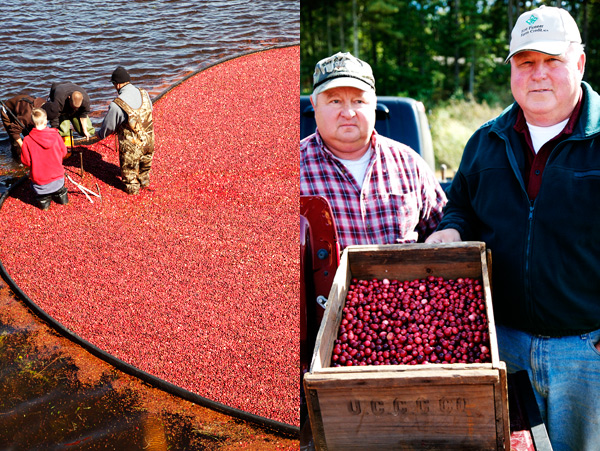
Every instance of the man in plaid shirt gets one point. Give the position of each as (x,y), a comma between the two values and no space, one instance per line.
(380,191)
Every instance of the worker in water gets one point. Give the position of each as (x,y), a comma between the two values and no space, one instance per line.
(130,117)
(16,118)
(69,104)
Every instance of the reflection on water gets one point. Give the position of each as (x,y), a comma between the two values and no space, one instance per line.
(158,41)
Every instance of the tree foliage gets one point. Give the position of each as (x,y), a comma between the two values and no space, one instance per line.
(432,50)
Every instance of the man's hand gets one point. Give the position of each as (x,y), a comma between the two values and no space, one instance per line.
(84,126)
(444,236)
(598,346)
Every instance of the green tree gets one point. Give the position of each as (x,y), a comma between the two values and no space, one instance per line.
(432,50)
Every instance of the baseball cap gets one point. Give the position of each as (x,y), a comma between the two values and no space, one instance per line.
(342,69)
(546,29)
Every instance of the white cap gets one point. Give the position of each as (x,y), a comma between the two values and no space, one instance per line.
(546,29)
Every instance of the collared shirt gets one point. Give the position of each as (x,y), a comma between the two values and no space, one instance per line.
(535,163)
(400,200)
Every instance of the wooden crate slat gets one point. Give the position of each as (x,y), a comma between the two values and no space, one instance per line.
(412,414)
(416,261)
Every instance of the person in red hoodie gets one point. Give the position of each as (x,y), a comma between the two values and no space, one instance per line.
(43,151)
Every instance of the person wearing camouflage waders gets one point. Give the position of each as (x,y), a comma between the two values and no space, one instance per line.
(130,117)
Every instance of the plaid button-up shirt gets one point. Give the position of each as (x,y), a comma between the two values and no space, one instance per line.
(400,200)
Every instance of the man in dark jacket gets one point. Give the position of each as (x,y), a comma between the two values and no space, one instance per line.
(16,118)
(529,185)
(69,104)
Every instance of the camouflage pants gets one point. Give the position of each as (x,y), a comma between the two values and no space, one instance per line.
(136,162)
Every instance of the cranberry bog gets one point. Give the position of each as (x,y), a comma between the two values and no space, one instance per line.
(407,405)
(193,284)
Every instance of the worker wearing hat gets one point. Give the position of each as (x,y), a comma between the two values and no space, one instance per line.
(130,117)
(380,191)
(528,186)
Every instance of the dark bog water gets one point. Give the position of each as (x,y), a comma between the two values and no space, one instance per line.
(158,41)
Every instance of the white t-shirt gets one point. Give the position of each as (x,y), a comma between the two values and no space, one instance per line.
(541,135)
(358,168)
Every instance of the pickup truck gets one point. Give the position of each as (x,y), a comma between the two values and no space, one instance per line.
(400,118)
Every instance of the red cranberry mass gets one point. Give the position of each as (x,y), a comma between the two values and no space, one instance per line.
(195,280)
(433,320)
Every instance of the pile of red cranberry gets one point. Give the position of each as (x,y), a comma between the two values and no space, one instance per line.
(433,320)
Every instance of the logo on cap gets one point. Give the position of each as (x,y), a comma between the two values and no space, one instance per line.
(336,62)
(533,19)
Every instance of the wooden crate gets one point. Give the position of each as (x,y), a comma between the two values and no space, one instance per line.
(436,406)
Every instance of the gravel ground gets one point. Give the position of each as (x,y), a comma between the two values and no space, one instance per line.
(195,280)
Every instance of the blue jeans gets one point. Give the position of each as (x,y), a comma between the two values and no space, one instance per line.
(565,375)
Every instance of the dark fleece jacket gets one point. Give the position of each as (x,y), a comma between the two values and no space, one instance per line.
(546,251)
(59,106)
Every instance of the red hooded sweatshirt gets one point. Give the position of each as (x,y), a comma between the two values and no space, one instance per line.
(43,151)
